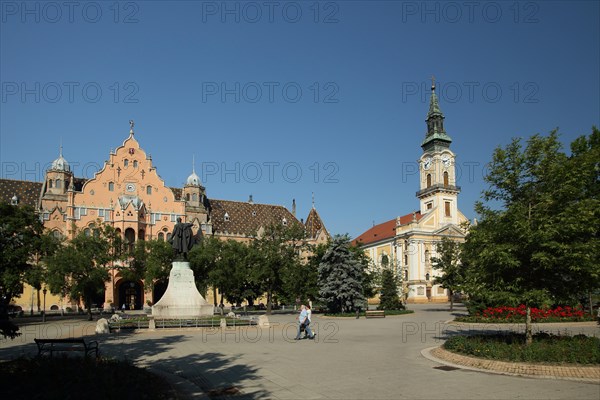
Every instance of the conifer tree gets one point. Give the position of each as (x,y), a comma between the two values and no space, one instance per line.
(341,277)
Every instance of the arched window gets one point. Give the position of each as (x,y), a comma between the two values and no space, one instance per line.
(168,236)
(187,197)
(50,183)
(142,234)
(148,189)
(446,178)
(58,184)
(135,164)
(428,180)
(130,239)
(194,197)
(126,163)
(87,232)
(57,234)
(161,236)
(111,186)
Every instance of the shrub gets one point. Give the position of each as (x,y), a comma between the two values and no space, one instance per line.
(546,348)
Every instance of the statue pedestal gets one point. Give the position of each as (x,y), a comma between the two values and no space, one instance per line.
(182,299)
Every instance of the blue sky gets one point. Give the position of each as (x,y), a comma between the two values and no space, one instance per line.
(283,99)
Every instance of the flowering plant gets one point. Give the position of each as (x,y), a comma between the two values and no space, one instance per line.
(518,314)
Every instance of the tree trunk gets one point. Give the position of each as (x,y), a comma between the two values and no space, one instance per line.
(528,335)
(88,305)
(451,300)
(269,304)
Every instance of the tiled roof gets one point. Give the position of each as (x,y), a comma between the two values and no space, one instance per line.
(314,224)
(246,218)
(177,192)
(384,230)
(26,191)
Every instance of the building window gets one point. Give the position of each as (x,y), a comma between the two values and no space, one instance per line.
(87,232)
(168,236)
(126,163)
(148,189)
(161,236)
(284,222)
(428,180)
(406,275)
(111,186)
(427,257)
(194,197)
(226,217)
(420,291)
(447,208)
(58,184)
(440,290)
(405,259)
(135,164)
(187,197)
(446,178)
(50,183)
(430,205)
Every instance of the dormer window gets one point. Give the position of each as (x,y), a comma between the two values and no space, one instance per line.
(284,221)
(226,217)
(254,213)
(14,200)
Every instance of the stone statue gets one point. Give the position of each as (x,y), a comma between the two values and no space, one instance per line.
(182,239)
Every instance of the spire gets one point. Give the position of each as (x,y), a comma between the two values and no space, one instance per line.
(294,207)
(436,136)
(131,125)
(434,107)
(313,200)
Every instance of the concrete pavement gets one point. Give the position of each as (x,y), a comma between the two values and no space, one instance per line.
(349,359)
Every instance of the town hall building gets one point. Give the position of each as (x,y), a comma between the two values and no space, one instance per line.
(129,195)
(407,243)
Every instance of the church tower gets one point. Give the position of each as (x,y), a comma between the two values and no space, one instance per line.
(438,191)
(194,195)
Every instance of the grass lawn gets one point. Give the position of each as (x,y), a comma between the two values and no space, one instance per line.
(79,378)
(546,348)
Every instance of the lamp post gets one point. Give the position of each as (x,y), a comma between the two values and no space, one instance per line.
(44,312)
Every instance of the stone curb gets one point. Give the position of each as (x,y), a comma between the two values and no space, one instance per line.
(584,374)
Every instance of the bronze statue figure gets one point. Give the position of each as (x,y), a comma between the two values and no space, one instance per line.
(182,239)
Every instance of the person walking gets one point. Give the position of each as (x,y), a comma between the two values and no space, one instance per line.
(301,320)
(307,332)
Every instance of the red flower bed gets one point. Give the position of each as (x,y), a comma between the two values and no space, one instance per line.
(537,314)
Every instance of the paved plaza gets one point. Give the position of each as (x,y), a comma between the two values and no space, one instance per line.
(349,359)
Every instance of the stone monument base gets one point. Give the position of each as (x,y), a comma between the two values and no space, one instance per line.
(182,299)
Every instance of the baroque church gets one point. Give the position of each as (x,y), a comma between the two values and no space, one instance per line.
(128,194)
(407,243)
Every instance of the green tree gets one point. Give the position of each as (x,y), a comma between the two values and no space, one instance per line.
(300,281)
(389,299)
(149,261)
(204,259)
(538,239)
(80,267)
(20,232)
(448,262)
(341,277)
(277,250)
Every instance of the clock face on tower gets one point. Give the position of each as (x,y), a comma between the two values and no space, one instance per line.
(446,160)
(427,163)
(130,187)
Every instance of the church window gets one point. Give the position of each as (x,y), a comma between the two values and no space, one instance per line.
(446,178)
(187,197)
(148,189)
(87,232)
(135,164)
(50,183)
(111,186)
(447,208)
(168,236)
(126,163)
(161,236)
(428,180)
(58,184)
(194,197)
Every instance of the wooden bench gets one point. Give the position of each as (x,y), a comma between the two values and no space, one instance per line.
(71,344)
(375,314)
